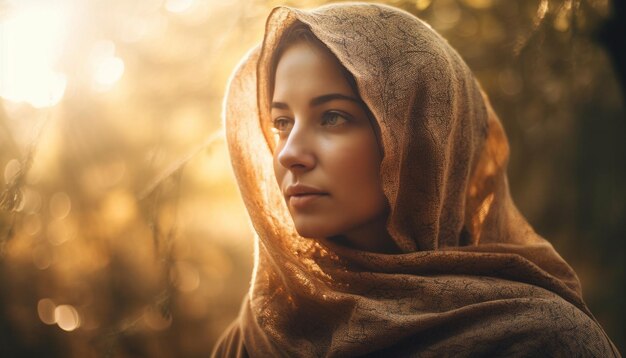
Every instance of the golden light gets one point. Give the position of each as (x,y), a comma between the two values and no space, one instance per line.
(31,41)
(109,71)
(155,320)
(67,317)
(118,208)
(60,205)
(42,257)
(186,124)
(45,309)
(564,17)
(59,231)
(185,276)
(446,13)
(478,4)
(422,4)
(542,10)
(468,26)
(106,67)
(10,170)
(32,224)
(177,6)
(31,201)
(98,178)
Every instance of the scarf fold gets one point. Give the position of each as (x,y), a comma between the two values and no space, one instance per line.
(473,278)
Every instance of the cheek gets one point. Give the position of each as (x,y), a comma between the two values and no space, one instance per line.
(355,169)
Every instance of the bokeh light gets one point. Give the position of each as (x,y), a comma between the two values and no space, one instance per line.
(185,276)
(11,170)
(46,309)
(33,35)
(60,205)
(66,317)
(178,5)
(155,320)
(422,4)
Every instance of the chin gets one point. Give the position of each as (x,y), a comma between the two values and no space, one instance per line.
(310,233)
(311,230)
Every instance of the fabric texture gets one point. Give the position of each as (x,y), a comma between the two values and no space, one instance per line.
(473,277)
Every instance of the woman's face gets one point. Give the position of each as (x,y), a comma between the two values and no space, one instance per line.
(327,160)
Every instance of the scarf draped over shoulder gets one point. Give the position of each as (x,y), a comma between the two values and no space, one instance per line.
(473,277)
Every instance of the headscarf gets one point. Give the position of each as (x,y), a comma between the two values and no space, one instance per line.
(473,277)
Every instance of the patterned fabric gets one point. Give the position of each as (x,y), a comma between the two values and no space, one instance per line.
(473,278)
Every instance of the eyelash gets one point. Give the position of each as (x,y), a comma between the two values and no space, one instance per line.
(335,114)
(276,123)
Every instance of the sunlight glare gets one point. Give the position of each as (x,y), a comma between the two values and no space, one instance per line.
(108,72)
(177,6)
(31,39)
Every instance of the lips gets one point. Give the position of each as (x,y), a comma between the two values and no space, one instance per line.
(300,196)
(299,189)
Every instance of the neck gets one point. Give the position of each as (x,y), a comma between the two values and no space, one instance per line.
(372,237)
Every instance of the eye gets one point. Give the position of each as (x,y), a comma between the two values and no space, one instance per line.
(332,119)
(282,124)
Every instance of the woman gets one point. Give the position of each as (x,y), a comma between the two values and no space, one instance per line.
(374,171)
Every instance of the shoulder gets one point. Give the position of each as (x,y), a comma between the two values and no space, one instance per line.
(517,327)
(547,327)
(568,331)
(230,344)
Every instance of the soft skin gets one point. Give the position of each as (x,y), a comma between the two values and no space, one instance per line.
(326,141)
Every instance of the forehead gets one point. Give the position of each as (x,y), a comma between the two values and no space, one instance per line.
(305,69)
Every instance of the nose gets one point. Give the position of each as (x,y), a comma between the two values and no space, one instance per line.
(297,153)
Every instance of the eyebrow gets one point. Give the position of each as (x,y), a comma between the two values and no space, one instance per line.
(321,100)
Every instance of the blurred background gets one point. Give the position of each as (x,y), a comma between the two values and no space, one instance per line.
(122,233)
